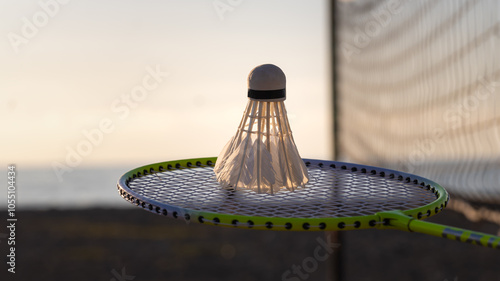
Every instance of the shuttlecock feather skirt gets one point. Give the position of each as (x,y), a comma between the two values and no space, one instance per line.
(262,156)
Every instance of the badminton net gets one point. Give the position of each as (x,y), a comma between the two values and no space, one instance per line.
(418,90)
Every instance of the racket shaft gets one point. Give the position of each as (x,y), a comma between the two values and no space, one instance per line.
(455,233)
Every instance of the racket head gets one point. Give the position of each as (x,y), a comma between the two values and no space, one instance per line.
(339,196)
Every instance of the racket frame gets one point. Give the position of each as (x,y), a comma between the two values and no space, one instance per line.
(398,219)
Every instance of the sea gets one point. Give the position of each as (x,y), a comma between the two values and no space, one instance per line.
(82,188)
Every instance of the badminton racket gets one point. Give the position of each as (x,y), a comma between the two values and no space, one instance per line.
(339,196)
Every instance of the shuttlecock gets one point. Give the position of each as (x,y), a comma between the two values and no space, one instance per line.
(262,156)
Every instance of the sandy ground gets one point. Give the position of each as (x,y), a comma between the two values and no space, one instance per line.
(132,244)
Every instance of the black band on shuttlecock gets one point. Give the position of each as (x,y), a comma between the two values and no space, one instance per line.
(266,94)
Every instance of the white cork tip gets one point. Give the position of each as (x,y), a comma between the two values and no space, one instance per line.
(266,77)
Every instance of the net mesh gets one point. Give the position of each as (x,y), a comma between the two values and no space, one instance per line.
(418,87)
(332,191)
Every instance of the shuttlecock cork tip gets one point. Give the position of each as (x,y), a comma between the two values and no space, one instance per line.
(267,82)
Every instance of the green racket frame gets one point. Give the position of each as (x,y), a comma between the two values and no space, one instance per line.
(407,220)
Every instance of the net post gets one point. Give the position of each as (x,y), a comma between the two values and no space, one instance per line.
(335,270)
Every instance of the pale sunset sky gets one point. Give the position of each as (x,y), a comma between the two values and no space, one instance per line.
(135,82)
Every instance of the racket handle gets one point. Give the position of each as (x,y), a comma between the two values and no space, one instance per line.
(455,233)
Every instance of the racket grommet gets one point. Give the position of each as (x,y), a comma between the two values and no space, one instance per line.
(160,168)
(341,225)
(145,171)
(419,216)
(372,223)
(177,166)
(250,224)
(164,212)
(143,204)
(169,167)
(344,167)
(198,163)
(306,226)
(308,163)
(150,207)
(216,220)
(391,176)
(387,221)
(320,165)
(373,172)
(382,174)
(189,164)
(209,163)
(157,209)
(288,225)
(322,225)
(187,217)
(333,166)
(269,225)
(234,222)
(363,171)
(201,219)
(354,169)
(436,210)
(428,213)
(174,214)
(357,224)
(151,171)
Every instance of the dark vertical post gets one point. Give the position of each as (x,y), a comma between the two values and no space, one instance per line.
(335,270)
(333,71)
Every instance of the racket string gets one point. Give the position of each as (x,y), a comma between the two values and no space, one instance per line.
(337,192)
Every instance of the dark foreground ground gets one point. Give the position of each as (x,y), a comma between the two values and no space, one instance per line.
(119,245)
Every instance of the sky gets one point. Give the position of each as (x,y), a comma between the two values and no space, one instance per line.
(106,83)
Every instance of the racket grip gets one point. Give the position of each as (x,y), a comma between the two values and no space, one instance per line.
(455,233)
